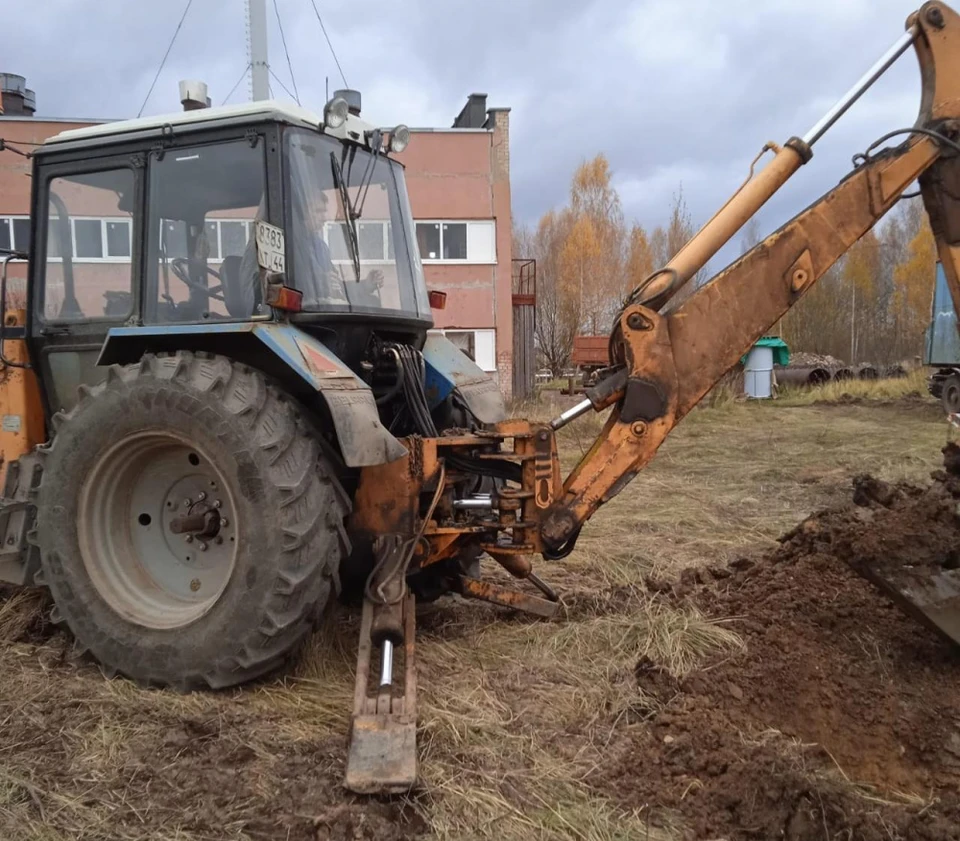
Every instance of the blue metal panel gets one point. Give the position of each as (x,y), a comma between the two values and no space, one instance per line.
(943,340)
(302,353)
(363,439)
(449,368)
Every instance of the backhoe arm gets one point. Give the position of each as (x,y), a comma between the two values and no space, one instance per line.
(672,359)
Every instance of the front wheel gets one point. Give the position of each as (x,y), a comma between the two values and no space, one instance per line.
(189,529)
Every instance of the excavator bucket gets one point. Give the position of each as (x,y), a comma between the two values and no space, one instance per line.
(383,737)
(933,598)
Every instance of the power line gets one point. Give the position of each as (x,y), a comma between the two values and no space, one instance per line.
(279,81)
(165,55)
(332,51)
(283,39)
(237,85)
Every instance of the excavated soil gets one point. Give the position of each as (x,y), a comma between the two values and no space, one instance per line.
(841,718)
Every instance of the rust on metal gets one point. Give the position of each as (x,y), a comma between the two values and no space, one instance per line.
(504,596)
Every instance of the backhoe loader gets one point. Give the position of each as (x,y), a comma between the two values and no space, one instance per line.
(200,448)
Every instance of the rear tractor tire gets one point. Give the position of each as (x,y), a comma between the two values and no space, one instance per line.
(190,531)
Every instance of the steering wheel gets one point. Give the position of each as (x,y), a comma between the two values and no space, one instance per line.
(181,268)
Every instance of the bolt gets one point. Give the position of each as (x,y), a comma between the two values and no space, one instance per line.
(635,321)
(224,522)
(188,502)
(799,279)
(543,435)
(201,546)
(195,584)
(935,17)
(638,428)
(216,503)
(201,496)
(10,541)
(188,538)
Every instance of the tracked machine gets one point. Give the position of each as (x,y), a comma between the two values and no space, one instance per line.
(236,411)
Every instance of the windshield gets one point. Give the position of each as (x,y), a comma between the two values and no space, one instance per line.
(328,182)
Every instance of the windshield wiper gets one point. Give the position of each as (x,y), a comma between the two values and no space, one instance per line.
(350,213)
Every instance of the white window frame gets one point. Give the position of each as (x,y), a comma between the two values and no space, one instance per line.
(103,220)
(484,343)
(439,261)
(364,261)
(247,228)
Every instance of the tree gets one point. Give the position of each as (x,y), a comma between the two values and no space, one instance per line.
(595,255)
(913,291)
(641,260)
(558,314)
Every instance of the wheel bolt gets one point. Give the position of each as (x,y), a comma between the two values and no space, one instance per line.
(216,503)
(201,496)
(195,585)
(188,538)
(188,502)
(224,522)
(202,546)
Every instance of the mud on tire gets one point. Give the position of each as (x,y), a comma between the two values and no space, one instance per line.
(289,510)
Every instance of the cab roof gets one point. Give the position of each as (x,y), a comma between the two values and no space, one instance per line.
(189,121)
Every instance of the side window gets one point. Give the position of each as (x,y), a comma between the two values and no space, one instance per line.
(88,273)
(201,255)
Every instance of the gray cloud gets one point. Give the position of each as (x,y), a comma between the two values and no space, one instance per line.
(671,92)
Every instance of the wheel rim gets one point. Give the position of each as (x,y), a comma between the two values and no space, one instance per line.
(951,395)
(137,493)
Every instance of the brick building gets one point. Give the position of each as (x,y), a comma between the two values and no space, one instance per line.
(458,179)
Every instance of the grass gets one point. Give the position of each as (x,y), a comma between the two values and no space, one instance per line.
(912,386)
(515,713)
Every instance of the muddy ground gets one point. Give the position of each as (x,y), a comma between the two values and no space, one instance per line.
(768,692)
(841,719)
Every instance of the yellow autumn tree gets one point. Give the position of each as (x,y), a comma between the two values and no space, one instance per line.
(913,291)
(595,253)
(640,259)
(860,274)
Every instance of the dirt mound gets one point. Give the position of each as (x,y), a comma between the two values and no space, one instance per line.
(841,719)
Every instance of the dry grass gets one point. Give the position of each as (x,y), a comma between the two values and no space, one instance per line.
(515,713)
(912,386)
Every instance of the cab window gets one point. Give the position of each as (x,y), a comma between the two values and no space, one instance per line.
(201,255)
(88,269)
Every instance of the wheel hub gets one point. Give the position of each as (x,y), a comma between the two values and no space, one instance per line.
(157,530)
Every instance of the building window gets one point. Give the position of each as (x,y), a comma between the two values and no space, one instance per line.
(88,239)
(479,345)
(118,238)
(233,238)
(457,242)
(15,232)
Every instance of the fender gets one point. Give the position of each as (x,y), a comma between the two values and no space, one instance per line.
(294,357)
(449,369)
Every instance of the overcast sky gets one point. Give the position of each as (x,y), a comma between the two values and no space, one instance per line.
(672,92)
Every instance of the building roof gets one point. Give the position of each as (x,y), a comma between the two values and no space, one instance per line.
(265,109)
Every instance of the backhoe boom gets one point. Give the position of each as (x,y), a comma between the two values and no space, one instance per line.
(673,358)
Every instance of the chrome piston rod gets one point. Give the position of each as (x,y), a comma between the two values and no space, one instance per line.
(862,86)
(386,663)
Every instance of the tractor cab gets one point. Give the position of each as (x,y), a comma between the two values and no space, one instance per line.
(189,223)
